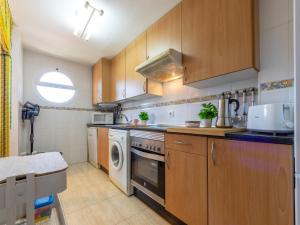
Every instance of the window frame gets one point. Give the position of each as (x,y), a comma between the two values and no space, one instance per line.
(53,85)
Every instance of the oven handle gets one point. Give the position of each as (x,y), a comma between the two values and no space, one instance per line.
(148,155)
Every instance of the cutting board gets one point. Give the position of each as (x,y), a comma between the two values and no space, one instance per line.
(204,131)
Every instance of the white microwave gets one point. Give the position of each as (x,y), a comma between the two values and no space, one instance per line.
(102,118)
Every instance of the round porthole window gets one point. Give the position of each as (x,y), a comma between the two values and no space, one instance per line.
(56,87)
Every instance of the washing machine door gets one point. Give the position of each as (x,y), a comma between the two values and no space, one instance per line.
(116,155)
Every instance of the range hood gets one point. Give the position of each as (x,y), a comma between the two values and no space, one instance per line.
(164,67)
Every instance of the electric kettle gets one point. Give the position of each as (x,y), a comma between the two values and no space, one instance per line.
(224,119)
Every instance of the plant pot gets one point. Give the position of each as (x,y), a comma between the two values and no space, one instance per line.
(206,123)
(143,122)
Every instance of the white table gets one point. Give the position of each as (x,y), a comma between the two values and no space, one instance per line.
(26,178)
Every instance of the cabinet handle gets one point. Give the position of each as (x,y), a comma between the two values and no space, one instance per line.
(144,86)
(185,73)
(181,143)
(168,160)
(213,153)
(124,93)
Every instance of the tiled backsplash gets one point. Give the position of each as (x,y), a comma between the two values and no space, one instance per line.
(181,103)
(187,100)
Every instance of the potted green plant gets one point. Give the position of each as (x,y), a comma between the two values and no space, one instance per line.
(144,117)
(207,113)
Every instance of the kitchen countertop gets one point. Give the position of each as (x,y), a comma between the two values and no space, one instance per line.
(213,131)
(287,139)
(157,128)
(236,135)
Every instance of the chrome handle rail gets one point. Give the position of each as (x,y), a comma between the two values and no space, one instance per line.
(181,143)
(213,153)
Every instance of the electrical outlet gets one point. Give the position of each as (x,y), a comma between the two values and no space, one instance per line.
(171,113)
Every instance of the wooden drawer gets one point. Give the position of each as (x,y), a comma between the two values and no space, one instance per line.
(187,143)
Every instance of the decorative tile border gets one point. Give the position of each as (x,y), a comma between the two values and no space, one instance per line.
(273,85)
(185,101)
(263,87)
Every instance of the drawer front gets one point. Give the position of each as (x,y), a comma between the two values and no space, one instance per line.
(187,143)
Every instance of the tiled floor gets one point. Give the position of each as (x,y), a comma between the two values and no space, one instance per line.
(91,199)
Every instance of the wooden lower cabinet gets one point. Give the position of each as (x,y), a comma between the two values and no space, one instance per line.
(103,148)
(186,182)
(249,183)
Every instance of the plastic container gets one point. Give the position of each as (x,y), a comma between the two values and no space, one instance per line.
(43,208)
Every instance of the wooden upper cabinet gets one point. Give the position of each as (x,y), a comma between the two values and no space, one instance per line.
(250,183)
(219,37)
(137,84)
(135,55)
(118,77)
(165,33)
(101,81)
(186,178)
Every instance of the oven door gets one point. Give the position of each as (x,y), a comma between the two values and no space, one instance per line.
(148,173)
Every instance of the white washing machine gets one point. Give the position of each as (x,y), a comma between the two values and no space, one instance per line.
(119,160)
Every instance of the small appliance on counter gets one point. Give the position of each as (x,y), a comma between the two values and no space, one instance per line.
(105,118)
(271,118)
(224,119)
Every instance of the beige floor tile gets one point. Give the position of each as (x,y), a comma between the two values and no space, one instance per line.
(127,206)
(105,213)
(156,217)
(91,199)
(74,200)
(123,223)
(81,217)
(142,218)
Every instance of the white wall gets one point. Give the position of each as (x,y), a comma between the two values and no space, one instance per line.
(276,53)
(276,48)
(17,91)
(58,128)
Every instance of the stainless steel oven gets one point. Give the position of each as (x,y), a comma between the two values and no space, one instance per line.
(148,164)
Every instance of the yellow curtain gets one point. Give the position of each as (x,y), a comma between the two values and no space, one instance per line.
(5,76)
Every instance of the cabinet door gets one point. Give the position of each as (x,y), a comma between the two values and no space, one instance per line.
(165,33)
(101,81)
(186,186)
(135,55)
(96,73)
(103,148)
(250,183)
(106,79)
(118,77)
(218,37)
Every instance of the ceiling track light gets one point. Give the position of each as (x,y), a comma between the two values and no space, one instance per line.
(81,32)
